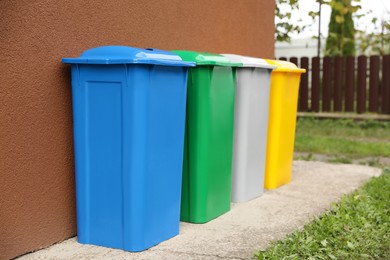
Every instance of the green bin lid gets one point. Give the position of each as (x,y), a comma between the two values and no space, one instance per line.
(204,58)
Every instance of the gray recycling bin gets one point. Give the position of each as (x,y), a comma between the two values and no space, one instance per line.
(250,126)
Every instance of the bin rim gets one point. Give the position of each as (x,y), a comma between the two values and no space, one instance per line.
(247,61)
(109,55)
(285,66)
(206,58)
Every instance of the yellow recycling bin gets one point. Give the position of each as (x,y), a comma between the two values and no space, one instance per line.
(282,121)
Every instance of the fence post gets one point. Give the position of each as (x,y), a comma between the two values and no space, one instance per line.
(338,81)
(361,84)
(326,84)
(350,84)
(304,89)
(294,60)
(374,84)
(315,84)
(385,90)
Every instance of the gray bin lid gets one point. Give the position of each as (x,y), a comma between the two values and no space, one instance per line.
(249,61)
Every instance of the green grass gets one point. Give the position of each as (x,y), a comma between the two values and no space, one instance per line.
(346,137)
(339,145)
(359,226)
(340,159)
(356,228)
(367,129)
(373,162)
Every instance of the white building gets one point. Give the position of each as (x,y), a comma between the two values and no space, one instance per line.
(306,47)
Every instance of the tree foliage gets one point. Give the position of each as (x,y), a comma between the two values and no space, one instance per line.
(341,33)
(374,38)
(283,13)
(283,27)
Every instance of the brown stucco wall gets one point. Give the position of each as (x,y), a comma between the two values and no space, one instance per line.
(37,197)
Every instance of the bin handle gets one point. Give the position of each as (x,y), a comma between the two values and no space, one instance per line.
(150,49)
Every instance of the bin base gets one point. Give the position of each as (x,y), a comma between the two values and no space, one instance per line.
(131,246)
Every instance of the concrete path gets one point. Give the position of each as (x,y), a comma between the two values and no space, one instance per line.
(249,226)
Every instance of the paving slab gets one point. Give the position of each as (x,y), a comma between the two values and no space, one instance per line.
(249,226)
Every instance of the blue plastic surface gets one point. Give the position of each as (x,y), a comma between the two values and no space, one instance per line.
(128,55)
(129,135)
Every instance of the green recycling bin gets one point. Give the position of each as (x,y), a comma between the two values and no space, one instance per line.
(207,166)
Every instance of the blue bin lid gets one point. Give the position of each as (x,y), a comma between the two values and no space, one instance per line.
(128,55)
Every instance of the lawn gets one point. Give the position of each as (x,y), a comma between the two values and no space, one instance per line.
(343,141)
(358,227)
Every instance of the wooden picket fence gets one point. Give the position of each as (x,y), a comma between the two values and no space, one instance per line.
(344,84)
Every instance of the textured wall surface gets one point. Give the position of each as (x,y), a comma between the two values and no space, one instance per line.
(37,197)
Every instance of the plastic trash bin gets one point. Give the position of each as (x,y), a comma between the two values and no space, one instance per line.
(207,164)
(250,126)
(282,120)
(129,120)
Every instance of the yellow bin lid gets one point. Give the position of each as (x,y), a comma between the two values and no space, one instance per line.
(285,66)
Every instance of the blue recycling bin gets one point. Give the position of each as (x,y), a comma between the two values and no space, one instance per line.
(129,117)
